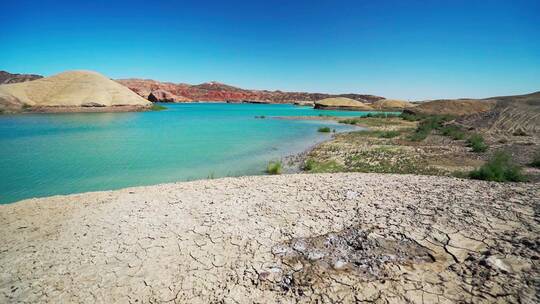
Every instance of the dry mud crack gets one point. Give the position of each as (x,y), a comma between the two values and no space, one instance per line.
(294,238)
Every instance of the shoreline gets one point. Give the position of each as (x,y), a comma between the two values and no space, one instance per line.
(74,110)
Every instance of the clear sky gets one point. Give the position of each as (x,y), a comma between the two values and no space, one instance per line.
(400,49)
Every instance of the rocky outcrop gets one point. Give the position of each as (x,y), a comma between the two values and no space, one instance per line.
(73,89)
(6,77)
(512,115)
(457,107)
(161,95)
(215,91)
(342,103)
(517,114)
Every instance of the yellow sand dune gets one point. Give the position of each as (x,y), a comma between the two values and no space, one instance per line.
(342,103)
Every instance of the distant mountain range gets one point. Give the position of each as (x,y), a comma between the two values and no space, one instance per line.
(215,91)
(157,91)
(6,77)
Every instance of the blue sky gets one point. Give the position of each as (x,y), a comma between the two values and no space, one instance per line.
(400,49)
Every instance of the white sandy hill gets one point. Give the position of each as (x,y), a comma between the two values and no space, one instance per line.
(70,89)
(391,104)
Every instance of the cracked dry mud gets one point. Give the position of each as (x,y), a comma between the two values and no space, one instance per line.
(294,238)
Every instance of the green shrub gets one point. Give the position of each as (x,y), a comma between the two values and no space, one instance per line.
(329,166)
(499,168)
(156,107)
(427,124)
(309,165)
(477,143)
(410,117)
(324,129)
(382,115)
(422,131)
(274,167)
(389,134)
(454,132)
(536,160)
(350,121)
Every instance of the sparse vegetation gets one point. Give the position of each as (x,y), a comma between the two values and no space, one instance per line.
(382,115)
(274,167)
(453,131)
(260,117)
(156,107)
(389,134)
(388,159)
(499,168)
(477,143)
(349,121)
(375,122)
(410,117)
(324,130)
(313,166)
(428,124)
(376,133)
(420,134)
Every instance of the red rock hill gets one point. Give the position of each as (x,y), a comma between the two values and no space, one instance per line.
(215,91)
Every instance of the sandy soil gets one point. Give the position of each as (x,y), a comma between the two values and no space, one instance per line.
(268,239)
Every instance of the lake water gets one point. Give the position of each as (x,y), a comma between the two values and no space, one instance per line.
(49,154)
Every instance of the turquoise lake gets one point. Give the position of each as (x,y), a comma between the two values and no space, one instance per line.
(49,154)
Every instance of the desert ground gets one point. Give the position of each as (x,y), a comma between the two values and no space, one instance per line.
(308,238)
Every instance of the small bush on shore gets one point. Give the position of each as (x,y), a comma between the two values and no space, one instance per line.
(454,132)
(382,115)
(477,143)
(156,107)
(350,121)
(410,117)
(324,129)
(389,134)
(421,132)
(274,167)
(313,166)
(499,168)
(427,124)
(536,160)
(309,164)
